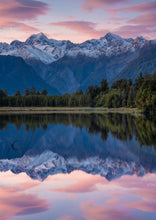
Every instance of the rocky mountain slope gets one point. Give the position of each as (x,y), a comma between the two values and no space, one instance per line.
(146,63)
(16,74)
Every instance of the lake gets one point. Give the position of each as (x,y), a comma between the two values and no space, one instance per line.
(77,167)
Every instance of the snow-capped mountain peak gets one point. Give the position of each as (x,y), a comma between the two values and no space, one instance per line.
(37,39)
(39,47)
(109,37)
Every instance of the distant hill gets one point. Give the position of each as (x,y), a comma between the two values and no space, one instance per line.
(16,74)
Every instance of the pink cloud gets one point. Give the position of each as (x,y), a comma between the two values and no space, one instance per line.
(132,30)
(88,28)
(116,19)
(14,12)
(20,10)
(145,7)
(150,19)
(91,5)
(17,25)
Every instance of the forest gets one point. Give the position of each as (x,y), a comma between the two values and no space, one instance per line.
(139,94)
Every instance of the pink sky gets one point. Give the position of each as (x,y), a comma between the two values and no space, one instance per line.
(76,20)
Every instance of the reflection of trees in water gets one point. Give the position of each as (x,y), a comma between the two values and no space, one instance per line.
(121,126)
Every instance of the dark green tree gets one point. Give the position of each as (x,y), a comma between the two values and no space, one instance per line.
(18,93)
(38,92)
(104,86)
(44,92)
(32,92)
(26,92)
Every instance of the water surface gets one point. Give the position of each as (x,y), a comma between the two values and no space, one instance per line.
(77,166)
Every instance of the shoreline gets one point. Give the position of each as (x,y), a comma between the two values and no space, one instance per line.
(80,110)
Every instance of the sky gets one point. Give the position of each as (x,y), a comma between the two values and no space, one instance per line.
(76,20)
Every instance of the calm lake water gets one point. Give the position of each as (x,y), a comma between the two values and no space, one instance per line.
(77,167)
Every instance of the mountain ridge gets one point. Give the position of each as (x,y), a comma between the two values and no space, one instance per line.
(49,163)
(39,47)
(69,67)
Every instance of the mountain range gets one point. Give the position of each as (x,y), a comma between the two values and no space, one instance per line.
(63,66)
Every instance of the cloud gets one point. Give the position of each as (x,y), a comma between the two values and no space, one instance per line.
(21,10)
(145,7)
(132,30)
(18,26)
(143,24)
(85,27)
(13,14)
(90,5)
(150,19)
(115,19)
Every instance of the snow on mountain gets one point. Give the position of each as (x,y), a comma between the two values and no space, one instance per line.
(49,163)
(39,47)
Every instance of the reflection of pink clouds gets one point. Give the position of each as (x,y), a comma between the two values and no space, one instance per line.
(91,5)
(89,28)
(141,190)
(93,211)
(146,206)
(15,203)
(23,187)
(87,185)
(144,188)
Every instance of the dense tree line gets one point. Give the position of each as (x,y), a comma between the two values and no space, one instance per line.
(122,93)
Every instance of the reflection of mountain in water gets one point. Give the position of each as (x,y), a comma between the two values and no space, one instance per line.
(49,163)
(109,145)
